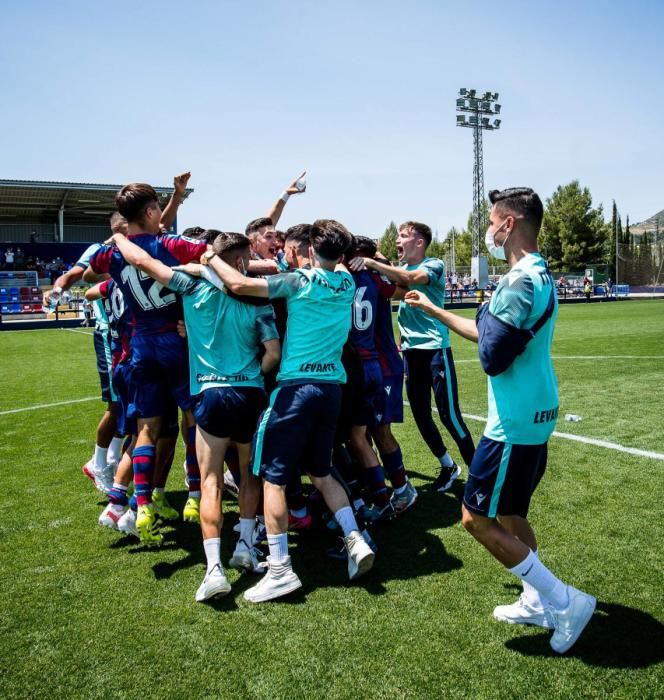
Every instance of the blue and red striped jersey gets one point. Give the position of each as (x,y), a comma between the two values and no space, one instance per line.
(154,308)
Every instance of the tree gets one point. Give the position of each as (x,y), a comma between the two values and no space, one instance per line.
(387,244)
(574,234)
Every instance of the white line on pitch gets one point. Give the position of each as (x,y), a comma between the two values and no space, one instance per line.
(581,438)
(48,405)
(76,330)
(584,357)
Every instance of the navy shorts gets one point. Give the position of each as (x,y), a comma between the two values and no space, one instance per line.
(393,402)
(502,477)
(159,372)
(297,431)
(230,412)
(127,425)
(370,405)
(102,344)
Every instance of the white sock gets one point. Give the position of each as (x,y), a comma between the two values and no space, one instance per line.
(299,512)
(532,570)
(344,516)
(278,546)
(212,549)
(247,526)
(100,457)
(358,503)
(446,460)
(532,595)
(115,449)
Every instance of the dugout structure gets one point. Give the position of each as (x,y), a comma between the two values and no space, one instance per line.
(37,212)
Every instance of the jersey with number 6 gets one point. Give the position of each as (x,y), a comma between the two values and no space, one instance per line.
(154,308)
(369,288)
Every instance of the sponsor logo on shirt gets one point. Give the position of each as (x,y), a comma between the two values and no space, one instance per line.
(317,367)
(203,378)
(546,416)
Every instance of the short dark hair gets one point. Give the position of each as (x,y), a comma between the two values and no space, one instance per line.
(132,200)
(207,235)
(193,232)
(256,224)
(330,239)
(116,218)
(300,234)
(231,242)
(524,202)
(422,230)
(364,246)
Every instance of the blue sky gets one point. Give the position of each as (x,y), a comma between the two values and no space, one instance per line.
(361,94)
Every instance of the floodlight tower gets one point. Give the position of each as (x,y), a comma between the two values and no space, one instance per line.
(481,110)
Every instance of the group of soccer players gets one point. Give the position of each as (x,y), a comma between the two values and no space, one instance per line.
(287,365)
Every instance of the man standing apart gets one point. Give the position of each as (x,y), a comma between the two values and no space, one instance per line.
(426,348)
(514,332)
(299,426)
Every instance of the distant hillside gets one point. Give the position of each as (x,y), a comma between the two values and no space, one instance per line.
(649,224)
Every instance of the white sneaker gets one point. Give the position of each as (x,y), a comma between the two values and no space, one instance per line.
(571,621)
(246,558)
(279,580)
(127,523)
(110,516)
(258,535)
(523,613)
(230,487)
(360,555)
(104,479)
(214,584)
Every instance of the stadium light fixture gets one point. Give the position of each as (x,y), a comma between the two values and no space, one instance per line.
(480,111)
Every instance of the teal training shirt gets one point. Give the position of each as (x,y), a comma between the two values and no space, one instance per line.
(523,400)
(418,330)
(319,317)
(224,335)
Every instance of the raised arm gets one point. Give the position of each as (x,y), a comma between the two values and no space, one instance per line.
(401,277)
(277,208)
(234,279)
(465,327)
(93,293)
(138,258)
(178,196)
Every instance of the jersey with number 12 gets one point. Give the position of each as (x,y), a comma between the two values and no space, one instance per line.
(154,308)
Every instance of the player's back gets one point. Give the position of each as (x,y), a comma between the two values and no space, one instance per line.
(386,346)
(319,319)
(365,304)
(155,309)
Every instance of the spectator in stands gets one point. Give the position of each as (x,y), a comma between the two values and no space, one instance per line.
(609,287)
(587,289)
(9,258)
(19,259)
(34,237)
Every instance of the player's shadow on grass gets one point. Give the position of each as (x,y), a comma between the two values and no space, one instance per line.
(407,548)
(616,637)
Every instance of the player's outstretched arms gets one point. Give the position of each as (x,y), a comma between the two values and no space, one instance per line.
(272,356)
(263,267)
(93,293)
(64,282)
(277,208)
(142,260)
(234,279)
(465,327)
(178,196)
(401,277)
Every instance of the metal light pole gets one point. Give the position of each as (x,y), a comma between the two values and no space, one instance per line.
(481,110)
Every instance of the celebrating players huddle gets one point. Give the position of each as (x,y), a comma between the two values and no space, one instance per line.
(287,365)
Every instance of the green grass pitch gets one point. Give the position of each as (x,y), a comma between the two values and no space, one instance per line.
(87,613)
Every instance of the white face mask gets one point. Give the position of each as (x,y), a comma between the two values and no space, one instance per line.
(498,251)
